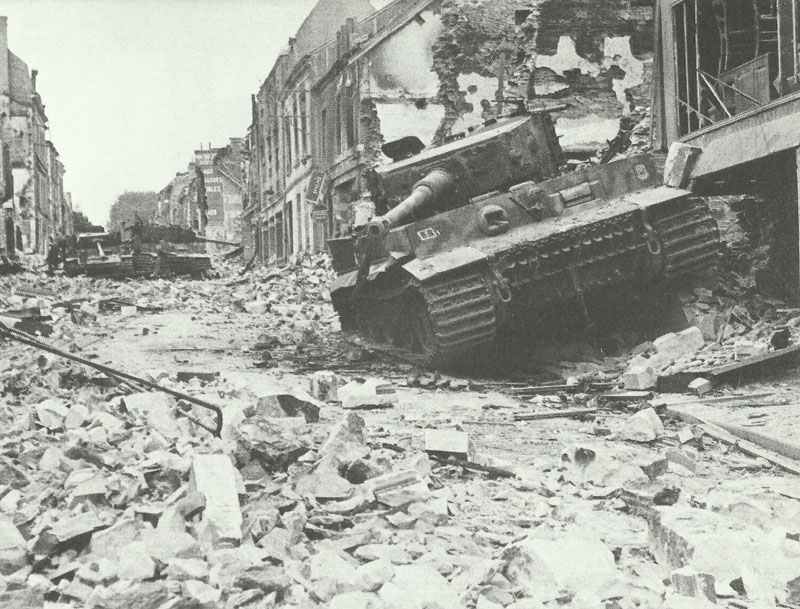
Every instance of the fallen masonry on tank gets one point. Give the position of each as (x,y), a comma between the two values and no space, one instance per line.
(491,242)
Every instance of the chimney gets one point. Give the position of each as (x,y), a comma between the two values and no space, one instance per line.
(34,74)
(5,86)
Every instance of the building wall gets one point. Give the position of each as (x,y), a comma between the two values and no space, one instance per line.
(36,207)
(223,189)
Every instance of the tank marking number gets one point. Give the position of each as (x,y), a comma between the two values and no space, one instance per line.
(641,171)
(426,234)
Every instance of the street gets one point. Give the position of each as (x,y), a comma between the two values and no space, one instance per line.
(342,488)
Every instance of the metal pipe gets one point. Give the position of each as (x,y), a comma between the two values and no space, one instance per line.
(19,337)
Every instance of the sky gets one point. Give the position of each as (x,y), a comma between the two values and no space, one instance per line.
(133,87)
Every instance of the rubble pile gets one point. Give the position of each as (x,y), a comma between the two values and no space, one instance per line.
(337,489)
(292,307)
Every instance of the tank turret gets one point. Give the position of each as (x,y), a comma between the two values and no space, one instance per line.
(492,157)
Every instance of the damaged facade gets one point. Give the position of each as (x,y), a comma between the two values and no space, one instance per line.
(727,87)
(180,202)
(208,197)
(35,207)
(430,69)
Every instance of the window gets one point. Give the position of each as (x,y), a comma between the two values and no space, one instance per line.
(279,244)
(296,129)
(304,123)
(339,123)
(348,117)
(731,56)
(323,138)
(287,142)
(289,229)
(298,213)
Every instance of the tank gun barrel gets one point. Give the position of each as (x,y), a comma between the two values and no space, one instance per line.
(428,191)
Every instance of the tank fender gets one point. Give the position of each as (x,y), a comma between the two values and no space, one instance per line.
(461,257)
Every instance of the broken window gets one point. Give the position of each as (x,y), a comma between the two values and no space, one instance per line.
(323,137)
(732,56)
(279,244)
(303,124)
(289,215)
(296,129)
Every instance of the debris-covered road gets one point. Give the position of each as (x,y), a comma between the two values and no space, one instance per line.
(341,480)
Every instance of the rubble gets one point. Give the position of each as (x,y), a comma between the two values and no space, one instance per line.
(644,426)
(110,496)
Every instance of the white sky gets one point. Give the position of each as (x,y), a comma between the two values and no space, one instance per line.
(132,87)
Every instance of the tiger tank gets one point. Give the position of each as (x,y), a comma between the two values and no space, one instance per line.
(483,237)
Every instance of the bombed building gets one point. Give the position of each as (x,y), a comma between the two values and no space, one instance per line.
(35,207)
(430,70)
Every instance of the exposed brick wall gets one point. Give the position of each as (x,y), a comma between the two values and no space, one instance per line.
(486,37)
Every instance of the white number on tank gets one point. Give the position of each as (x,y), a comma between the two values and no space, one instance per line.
(426,234)
(641,171)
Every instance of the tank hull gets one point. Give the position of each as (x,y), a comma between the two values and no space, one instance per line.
(439,310)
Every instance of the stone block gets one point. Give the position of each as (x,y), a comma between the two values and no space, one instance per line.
(215,477)
(289,405)
(644,426)
(447,442)
(545,567)
(366,395)
(639,376)
(679,164)
(418,587)
(13,553)
(700,386)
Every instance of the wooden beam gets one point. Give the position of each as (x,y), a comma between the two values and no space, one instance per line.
(556,414)
(778,452)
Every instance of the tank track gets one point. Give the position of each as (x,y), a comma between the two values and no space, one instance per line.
(461,312)
(690,239)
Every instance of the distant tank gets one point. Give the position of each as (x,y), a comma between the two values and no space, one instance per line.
(152,251)
(97,255)
(477,239)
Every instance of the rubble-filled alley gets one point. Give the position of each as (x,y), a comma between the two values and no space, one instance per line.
(343,480)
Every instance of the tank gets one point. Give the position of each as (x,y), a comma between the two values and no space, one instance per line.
(152,251)
(97,255)
(479,239)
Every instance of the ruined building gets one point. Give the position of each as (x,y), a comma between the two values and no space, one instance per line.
(429,69)
(208,197)
(180,203)
(34,204)
(728,86)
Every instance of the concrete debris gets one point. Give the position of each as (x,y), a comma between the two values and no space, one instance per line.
(13,549)
(367,394)
(644,426)
(446,442)
(569,565)
(214,476)
(700,386)
(342,480)
(324,386)
(289,405)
